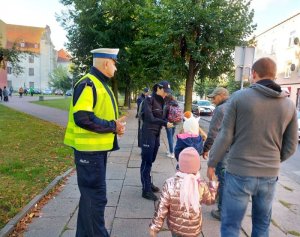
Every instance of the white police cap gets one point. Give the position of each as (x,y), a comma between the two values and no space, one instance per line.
(105,53)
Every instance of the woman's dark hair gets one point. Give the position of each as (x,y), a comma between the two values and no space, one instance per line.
(154,88)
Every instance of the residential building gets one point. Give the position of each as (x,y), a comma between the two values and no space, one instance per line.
(281,43)
(37,64)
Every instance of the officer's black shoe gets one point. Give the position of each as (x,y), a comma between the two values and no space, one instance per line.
(149,196)
(154,188)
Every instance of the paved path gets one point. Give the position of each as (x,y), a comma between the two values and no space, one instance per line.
(127,213)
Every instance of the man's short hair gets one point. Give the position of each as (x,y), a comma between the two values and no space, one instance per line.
(265,67)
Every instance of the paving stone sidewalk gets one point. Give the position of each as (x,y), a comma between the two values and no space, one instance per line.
(127,213)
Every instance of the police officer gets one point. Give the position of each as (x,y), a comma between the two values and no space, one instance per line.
(153,120)
(92,131)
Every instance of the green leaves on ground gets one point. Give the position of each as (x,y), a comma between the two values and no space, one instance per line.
(32,155)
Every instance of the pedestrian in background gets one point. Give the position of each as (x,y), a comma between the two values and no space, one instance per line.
(1,93)
(5,94)
(92,131)
(11,90)
(21,91)
(260,130)
(219,98)
(181,198)
(139,101)
(153,120)
(173,113)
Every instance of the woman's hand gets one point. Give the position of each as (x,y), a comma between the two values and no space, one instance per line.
(170,125)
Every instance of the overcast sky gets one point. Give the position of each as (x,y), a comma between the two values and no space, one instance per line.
(42,12)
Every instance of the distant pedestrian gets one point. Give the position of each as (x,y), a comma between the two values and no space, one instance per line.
(139,101)
(141,98)
(174,115)
(92,132)
(1,93)
(31,91)
(11,90)
(5,94)
(219,98)
(21,91)
(260,130)
(153,121)
(181,198)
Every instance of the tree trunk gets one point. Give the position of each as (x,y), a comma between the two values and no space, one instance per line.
(189,86)
(114,85)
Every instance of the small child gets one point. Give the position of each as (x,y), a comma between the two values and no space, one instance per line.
(181,198)
(190,136)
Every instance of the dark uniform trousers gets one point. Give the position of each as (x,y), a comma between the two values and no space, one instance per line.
(91,174)
(150,145)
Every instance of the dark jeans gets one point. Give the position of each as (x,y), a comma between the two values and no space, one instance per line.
(220,172)
(150,145)
(91,172)
(170,136)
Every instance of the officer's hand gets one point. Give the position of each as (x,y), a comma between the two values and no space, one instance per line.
(205,155)
(211,173)
(170,125)
(120,125)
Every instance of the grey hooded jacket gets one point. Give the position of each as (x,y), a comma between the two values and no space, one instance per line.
(260,127)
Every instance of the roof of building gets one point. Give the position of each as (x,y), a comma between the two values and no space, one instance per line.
(28,37)
(63,56)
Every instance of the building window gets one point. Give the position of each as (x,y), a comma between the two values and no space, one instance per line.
(31,59)
(291,38)
(31,71)
(8,70)
(22,44)
(274,46)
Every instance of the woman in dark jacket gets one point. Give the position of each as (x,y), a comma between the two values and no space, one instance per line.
(153,120)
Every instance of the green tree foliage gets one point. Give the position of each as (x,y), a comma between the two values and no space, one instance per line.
(93,24)
(14,56)
(182,41)
(59,79)
(195,38)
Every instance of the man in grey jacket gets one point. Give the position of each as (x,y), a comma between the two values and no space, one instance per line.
(260,127)
(219,97)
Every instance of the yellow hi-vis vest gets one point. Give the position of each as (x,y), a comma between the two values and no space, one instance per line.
(82,139)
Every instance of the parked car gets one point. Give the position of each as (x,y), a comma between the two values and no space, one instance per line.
(69,93)
(202,107)
(47,91)
(298,125)
(58,92)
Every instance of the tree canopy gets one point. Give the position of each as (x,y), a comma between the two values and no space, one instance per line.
(181,41)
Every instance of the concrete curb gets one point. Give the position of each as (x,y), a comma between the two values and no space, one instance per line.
(9,227)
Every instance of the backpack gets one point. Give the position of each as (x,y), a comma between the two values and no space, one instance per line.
(175,114)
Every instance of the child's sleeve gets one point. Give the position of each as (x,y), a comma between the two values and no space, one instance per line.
(208,192)
(162,209)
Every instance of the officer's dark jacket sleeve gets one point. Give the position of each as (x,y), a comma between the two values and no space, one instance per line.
(86,119)
(150,109)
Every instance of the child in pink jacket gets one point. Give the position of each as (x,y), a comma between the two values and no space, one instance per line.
(181,198)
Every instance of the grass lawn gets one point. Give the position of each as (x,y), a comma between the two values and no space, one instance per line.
(63,104)
(32,155)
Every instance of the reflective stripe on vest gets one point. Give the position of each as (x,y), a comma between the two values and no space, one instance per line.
(84,140)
